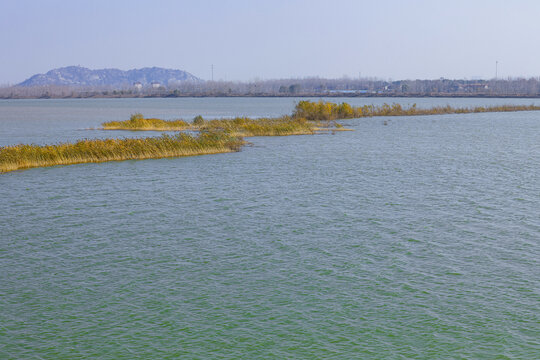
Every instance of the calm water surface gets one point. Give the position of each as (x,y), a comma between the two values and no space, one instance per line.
(415,239)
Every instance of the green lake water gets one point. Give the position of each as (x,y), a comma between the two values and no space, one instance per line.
(416,238)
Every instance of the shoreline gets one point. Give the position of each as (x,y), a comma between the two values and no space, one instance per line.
(305,95)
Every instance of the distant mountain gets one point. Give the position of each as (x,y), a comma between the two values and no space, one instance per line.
(81,76)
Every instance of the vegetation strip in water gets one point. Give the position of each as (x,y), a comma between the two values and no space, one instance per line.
(85,151)
(239,126)
(301,121)
(138,122)
(323,110)
(215,136)
(243,126)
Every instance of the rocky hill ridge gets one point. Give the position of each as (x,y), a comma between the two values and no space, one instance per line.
(81,76)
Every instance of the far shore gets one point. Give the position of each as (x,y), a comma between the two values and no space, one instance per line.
(303,95)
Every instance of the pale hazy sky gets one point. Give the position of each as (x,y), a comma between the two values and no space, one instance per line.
(245,40)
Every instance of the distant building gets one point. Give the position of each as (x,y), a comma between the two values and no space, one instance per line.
(356,91)
(155,84)
(137,85)
(473,87)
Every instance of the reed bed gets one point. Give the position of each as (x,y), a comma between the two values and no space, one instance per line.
(300,122)
(323,110)
(239,126)
(138,122)
(85,151)
(243,126)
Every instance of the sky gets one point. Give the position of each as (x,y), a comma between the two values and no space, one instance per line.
(257,40)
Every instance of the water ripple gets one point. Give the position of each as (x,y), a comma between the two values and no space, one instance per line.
(413,240)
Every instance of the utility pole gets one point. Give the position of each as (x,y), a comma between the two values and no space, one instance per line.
(212,72)
(496,68)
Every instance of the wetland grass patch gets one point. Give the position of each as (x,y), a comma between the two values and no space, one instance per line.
(138,122)
(85,151)
(239,126)
(308,117)
(322,110)
(244,126)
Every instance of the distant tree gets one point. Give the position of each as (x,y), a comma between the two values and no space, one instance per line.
(294,88)
(198,120)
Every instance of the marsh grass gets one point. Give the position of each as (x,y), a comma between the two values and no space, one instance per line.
(215,136)
(322,110)
(301,120)
(85,151)
(138,122)
(239,126)
(243,126)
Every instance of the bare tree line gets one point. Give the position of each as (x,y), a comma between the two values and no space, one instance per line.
(520,87)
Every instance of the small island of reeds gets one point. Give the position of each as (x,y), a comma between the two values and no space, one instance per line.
(239,126)
(87,151)
(138,122)
(323,110)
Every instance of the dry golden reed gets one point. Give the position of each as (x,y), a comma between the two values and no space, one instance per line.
(296,124)
(138,122)
(84,151)
(240,126)
(323,110)
(243,126)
